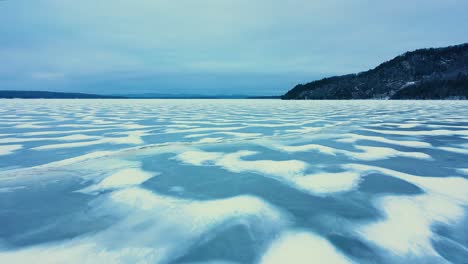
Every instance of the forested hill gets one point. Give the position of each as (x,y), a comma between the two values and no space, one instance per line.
(435,73)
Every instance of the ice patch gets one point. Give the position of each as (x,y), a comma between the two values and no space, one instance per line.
(286,168)
(240,206)
(209,140)
(241,135)
(197,135)
(234,134)
(133,126)
(325,183)
(199,158)
(379,153)
(309,147)
(352,138)
(32,125)
(181,126)
(9,149)
(233,162)
(406,228)
(76,137)
(400,125)
(65,138)
(302,247)
(203,129)
(101,124)
(455,150)
(156,229)
(59,132)
(455,188)
(368,153)
(121,179)
(11,189)
(290,172)
(70,145)
(62,163)
(438,132)
(177,189)
(133,138)
(305,130)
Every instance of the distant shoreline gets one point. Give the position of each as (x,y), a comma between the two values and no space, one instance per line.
(6,94)
(14,94)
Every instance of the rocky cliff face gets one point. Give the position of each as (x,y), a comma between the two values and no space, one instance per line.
(422,74)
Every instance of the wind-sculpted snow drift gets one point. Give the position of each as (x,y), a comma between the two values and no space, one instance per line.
(233,181)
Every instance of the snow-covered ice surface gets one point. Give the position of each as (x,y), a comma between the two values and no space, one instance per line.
(233,181)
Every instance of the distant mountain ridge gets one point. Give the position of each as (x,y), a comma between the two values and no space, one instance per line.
(197,96)
(434,73)
(10,94)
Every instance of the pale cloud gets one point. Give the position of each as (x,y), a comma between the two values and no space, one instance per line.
(49,76)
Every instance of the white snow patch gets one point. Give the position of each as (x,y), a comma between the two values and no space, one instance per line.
(304,130)
(155,229)
(11,189)
(455,150)
(209,140)
(406,228)
(32,125)
(325,183)
(352,138)
(9,149)
(438,132)
(367,153)
(290,172)
(121,179)
(302,247)
(309,147)
(133,138)
(379,153)
(203,129)
(58,132)
(455,188)
(286,168)
(75,137)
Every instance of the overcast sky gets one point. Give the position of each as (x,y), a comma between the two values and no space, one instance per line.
(254,47)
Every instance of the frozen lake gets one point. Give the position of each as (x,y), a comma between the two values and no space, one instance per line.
(233,181)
